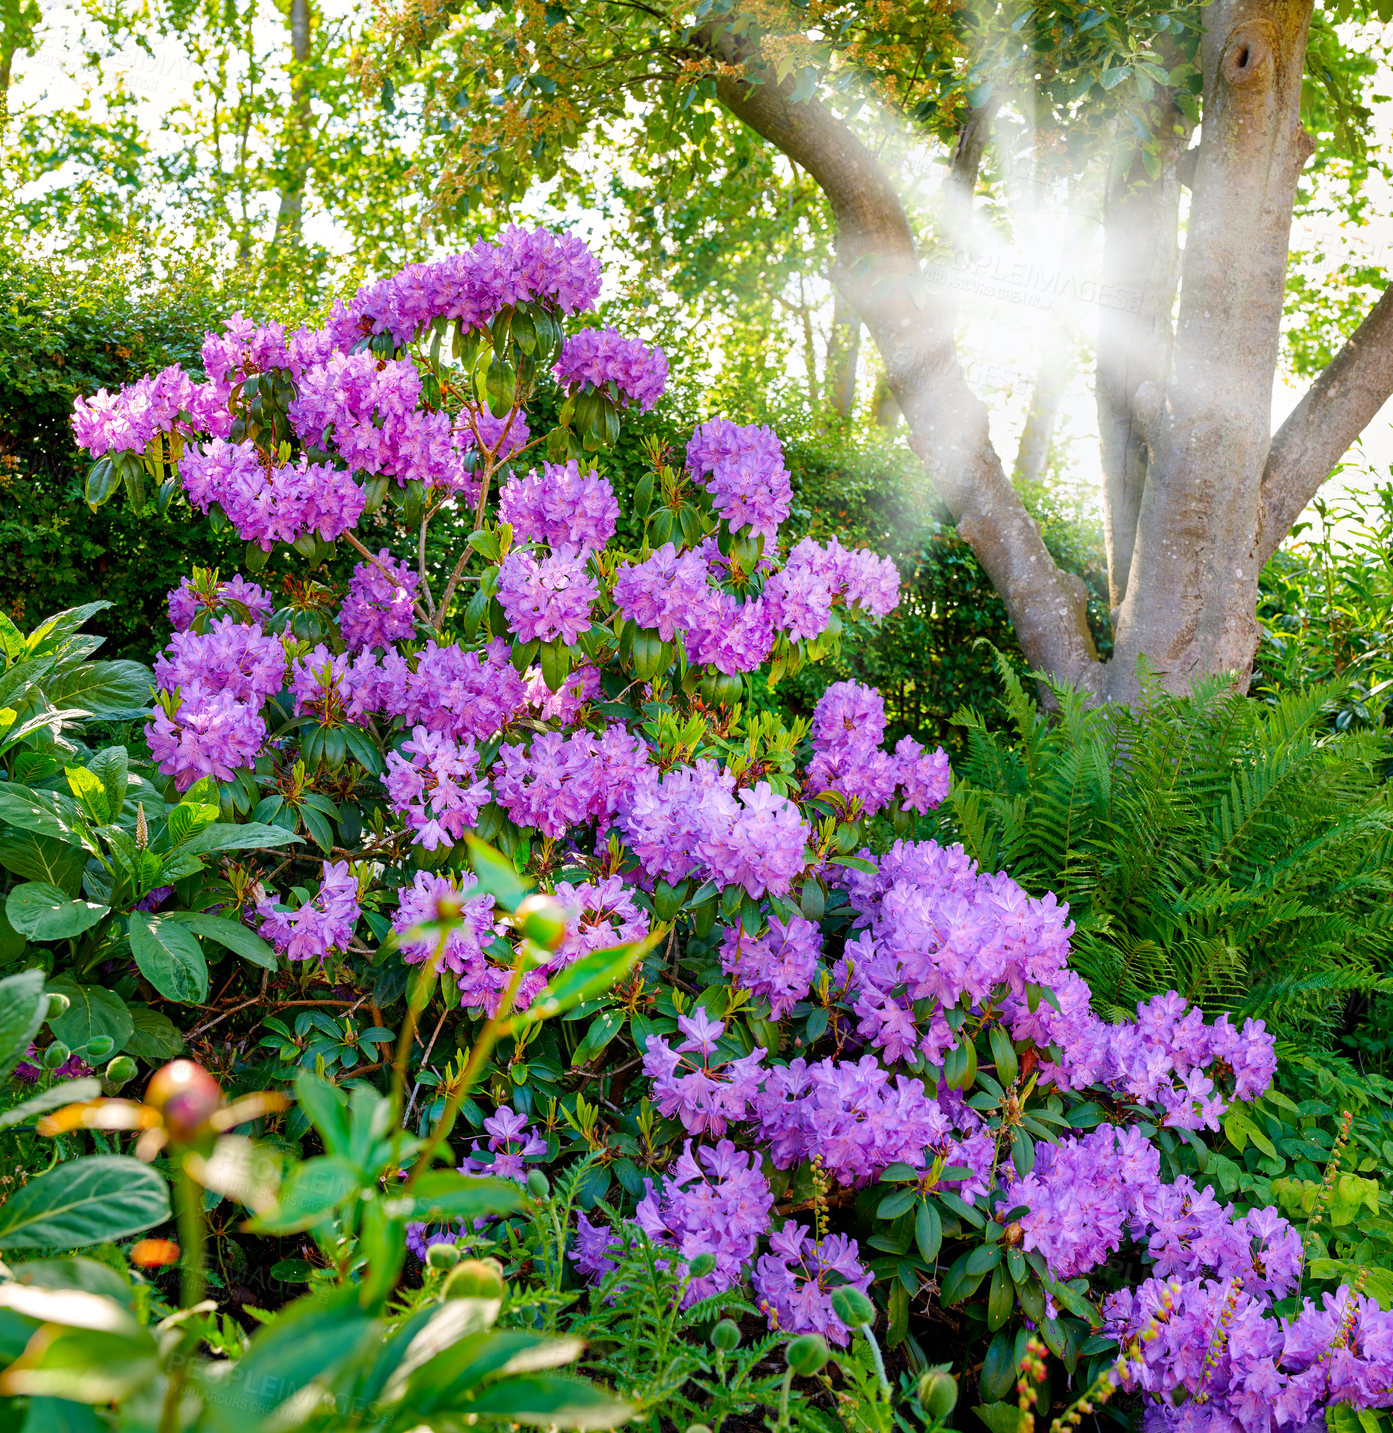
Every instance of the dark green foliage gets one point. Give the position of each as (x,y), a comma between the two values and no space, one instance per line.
(1236,852)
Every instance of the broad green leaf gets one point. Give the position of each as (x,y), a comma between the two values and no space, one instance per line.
(86,787)
(61,1415)
(313,1190)
(1002,1417)
(43,912)
(94,1010)
(53,631)
(169,957)
(547,1400)
(69,1092)
(105,689)
(85,1366)
(230,933)
(326,1108)
(48,813)
(155,1036)
(42,858)
(83,1202)
(496,873)
(111,766)
(12,944)
(1351,1194)
(18,681)
(22,1008)
(446,1194)
(587,977)
(226,836)
(187,818)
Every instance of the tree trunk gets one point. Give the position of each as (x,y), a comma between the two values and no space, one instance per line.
(1037,437)
(1198,493)
(843,353)
(298,124)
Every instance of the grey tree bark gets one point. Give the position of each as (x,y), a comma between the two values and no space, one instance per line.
(1198,491)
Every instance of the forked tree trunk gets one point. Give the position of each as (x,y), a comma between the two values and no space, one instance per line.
(1198,493)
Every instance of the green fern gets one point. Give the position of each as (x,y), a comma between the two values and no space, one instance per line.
(1237,852)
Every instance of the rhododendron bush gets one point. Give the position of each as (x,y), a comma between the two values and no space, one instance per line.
(832,1065)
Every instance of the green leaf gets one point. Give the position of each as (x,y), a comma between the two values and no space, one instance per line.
(185,820)
(93,1011)
(326,1107)
(23,1005)
(48,813)
(928,1230)
(85,1365)
(83,1202)
(42,858)
(313,1190)
(496,874)
(69,1092)
(446,1194)
(229,933)
(1002,1417)
(155,1036)
(106,689)
(225,836)
(169,957)
(61,1415)
(587,977)
(548,1400)
(43,912)
(111,766)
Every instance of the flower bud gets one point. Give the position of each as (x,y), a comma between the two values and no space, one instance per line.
(186,1095)
(698,1428)
(726,1336)
(56,1054)
(442,1256)
(120,1071)
(938,1392)
(542,920)
(538,1184)
(474,1279)
(806,1355)
(98,1048)
(702,1265)
(57,1005)
(852,1307)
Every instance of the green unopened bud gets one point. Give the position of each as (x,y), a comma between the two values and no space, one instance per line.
(442,1256)
(806,1355)
(542,920)
(852,1307)
(57,1005)
(702,1265)
(538,1184)
(120,1071)
(475,1279)
(938,1392)
(726,1336)
(55,1055)
(98,1048)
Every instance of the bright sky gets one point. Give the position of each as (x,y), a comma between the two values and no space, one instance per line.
(1024,306)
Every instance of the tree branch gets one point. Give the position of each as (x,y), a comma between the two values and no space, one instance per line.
(1336,408)
(878,269)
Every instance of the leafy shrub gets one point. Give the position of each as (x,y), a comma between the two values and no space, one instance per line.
(1239,853)
(832,1091)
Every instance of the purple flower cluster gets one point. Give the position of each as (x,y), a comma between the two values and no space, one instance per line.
(454,692)
(378,609)
(192,597)
(520,266)
(693,821)
(431,783)
(323,923)
(560,781)
(743,468)
(546,598)
(569,511)
(230,656)
(125,422)
(244,347)
(268,504)
(848,725)
(599,356)
(779,963)
(705,1094)
(439,919)
(661,592)
(511,1144)
(795,1280)
(713,1201)
(203,734)
(1245,1369)
(601,914)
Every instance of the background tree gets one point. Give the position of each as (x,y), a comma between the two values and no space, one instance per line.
(1168,120)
